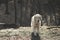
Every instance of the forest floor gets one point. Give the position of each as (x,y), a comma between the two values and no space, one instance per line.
(24,33)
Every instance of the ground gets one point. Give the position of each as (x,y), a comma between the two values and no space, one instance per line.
(24,33)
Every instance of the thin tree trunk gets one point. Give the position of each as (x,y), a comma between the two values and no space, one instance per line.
(6,4)
(15,12)
(21,14)
(31,14)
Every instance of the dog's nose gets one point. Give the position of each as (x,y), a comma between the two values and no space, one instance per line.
(38,20)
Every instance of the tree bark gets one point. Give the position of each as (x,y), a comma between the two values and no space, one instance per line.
(6,4)
(15,6)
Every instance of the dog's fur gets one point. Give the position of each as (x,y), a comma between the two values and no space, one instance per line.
(36,22)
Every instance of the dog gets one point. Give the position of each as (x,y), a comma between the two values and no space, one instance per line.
(36,23)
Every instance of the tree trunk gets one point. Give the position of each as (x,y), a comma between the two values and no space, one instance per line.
(21,14)
(15,6)
(6,4)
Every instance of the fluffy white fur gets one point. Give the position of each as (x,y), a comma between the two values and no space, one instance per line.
(36,23)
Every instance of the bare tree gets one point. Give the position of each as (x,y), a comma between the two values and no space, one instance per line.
(6,4)
(15,6)
(21,14)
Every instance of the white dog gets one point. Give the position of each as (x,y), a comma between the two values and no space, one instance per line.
(36,22)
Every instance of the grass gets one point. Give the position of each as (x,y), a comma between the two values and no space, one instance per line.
(45,32)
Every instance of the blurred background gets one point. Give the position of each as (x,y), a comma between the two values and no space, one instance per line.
(19,12)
